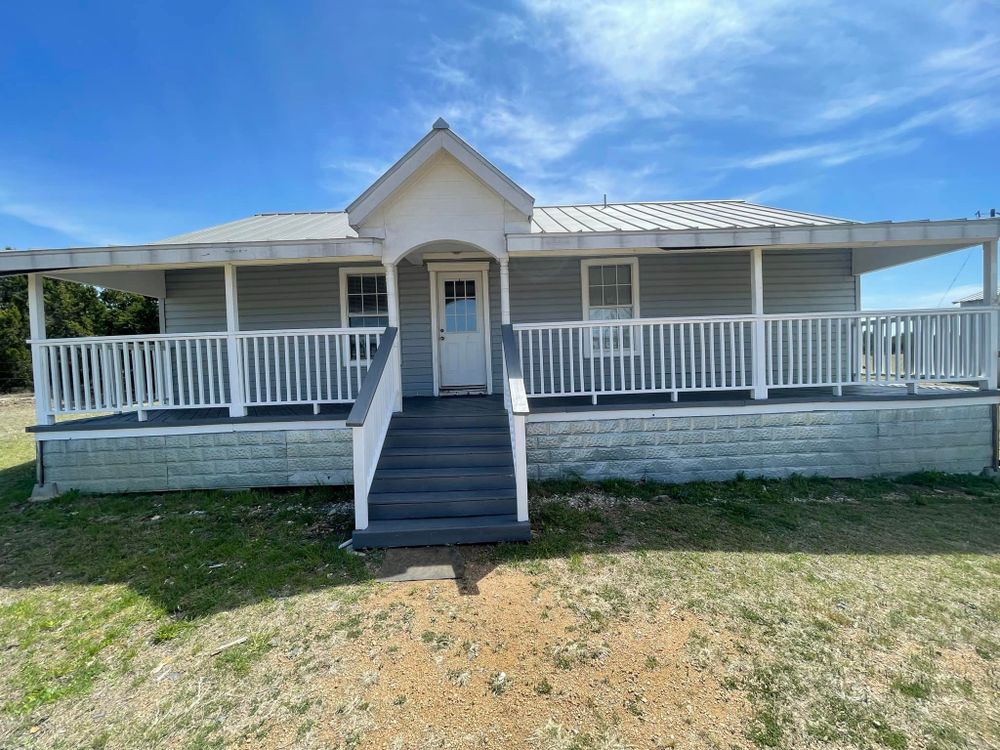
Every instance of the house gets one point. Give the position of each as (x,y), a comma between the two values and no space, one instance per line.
(970,300)
(444,339)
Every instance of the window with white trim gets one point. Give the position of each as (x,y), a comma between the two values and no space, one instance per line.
(364,303)
(610,292)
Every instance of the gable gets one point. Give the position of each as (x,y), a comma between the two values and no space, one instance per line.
(439,140)
(443,201)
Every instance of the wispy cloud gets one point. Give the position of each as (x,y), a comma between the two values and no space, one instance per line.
(968,115)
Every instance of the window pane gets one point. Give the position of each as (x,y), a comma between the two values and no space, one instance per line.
(624,274)
(594,275)
(353,284)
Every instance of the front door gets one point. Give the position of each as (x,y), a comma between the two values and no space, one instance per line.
(461,330)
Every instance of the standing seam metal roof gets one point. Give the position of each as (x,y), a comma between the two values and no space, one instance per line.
(669,215)
(614,217)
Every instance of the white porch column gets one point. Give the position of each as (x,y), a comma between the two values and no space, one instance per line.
(759,347)
(505,290)
(237,398)
(989,299)
(392,292)
(36,328)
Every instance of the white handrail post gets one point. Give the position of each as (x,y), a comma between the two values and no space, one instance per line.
(237,400)
(758,355)
(520,466)
(360,478)
(990,300)
(36,326)
(392,293)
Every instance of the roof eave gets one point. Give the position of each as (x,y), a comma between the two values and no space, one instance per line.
(183,254)
(960,232)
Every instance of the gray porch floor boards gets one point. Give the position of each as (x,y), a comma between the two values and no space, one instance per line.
(431,407)
(821,395)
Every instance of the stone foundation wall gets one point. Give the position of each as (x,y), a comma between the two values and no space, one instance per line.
(830,443)
(268,458)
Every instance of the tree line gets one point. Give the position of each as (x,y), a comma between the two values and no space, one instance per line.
(70,310)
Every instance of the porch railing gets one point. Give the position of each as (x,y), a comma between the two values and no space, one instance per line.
(178,371)
(718,353)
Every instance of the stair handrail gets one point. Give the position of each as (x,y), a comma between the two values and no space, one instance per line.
(516,401)
(378,397)
(516,395)
(370,383)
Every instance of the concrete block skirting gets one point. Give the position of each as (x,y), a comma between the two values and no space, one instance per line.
(268,458)
(865,443)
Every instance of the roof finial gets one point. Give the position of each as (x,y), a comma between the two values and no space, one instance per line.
(441,124)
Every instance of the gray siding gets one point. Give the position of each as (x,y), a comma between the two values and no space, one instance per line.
(808,281)
(196,301)
(548,289)
(308,296)
(300,296)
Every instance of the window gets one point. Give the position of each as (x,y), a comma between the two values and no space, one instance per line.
(364,303)
(460,306)
(610,292)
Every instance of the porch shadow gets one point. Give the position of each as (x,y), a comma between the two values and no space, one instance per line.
(191,553)
(197,553)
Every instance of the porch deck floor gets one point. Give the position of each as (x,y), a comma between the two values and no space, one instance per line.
(478,405)
(820,395)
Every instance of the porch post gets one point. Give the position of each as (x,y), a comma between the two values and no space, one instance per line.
(504,290)
(505,320)
(989,299)
(237,398)
(759,347)
(36,328)
(392,292)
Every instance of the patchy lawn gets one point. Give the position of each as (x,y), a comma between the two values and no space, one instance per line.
(791,614)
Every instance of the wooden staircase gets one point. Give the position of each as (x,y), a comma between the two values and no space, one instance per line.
(445,476)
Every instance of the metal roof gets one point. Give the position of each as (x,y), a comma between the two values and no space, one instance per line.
(278,227)
(667,215)
(974,297)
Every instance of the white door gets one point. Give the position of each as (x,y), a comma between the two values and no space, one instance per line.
(461,330)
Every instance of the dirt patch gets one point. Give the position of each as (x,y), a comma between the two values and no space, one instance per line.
(511,667)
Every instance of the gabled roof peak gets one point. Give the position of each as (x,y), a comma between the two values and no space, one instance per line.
(440,138)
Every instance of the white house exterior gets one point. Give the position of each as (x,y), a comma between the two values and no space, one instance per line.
(443,340)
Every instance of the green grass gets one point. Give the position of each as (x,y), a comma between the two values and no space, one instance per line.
(846,606)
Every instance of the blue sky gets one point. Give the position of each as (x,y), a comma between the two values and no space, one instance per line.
(128,122)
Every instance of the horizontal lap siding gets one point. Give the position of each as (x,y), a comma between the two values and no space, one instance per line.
(301,296)
(415,329)
(196,301)
(808,281)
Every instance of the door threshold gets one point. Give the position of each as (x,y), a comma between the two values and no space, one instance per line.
(480,391)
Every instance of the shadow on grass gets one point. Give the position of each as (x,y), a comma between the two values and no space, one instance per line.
(196,553)
(190,553)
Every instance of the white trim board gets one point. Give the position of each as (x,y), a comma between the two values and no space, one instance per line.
(193,429)
(598,413)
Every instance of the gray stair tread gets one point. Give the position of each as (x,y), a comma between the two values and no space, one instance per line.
(441,496)
(445,471)
(424,429)
(430,524)
(433,450)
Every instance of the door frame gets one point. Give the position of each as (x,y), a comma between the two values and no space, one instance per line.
(482,268)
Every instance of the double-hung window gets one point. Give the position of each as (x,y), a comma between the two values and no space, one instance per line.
(610,292)
(364,303)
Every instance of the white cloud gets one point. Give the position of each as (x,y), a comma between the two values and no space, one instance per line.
(64,221)
(908,299)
